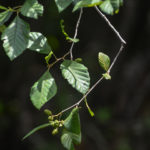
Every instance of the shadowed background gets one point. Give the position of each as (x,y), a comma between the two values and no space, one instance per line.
(121,106)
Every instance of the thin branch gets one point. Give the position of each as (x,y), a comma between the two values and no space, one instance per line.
(111,66)
(72,45)
(116,57)
(78,103)
(110,25)
(76,32)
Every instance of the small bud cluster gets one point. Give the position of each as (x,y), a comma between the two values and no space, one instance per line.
(56,124)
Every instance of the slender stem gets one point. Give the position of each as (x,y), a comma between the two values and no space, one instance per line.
(116,57)
(111,66)
(110,25)
(76,32)
(72,45)
(82,99)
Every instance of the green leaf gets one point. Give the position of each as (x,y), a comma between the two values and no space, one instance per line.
(107,7)
(86,3)
(111,6)
(43,90)
(37,42)
(78,60)
(4,16)
(89,109)
(2,28)
(62,4)
(36,129)
(48,57)
(2,7)
(66,141)
(76,74)
(104,61)
(72,133)
(75,40)
(15,38)
(32,9)
(72,122)
(107,76)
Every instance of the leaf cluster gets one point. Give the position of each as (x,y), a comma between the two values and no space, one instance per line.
(17,37)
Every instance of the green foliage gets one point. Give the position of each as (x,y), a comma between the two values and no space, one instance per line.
(43,90)
(107,76)
(2,7)
(76,74)
(87,3)
(2,28)
(62,4)
(66,140)
(4,16)
(15,38)
(111,6)
(104,61)
(48,57)
(37,42)
(36,129)
(32,9)
(65,34)
(72,132)
(89,109)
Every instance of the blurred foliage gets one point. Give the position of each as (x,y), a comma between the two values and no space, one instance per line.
(121,106)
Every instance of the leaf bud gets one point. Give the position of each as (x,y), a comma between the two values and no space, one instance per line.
(55,131)
(50,118)
(48,112)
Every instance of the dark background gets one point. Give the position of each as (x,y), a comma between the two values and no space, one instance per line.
(121,106)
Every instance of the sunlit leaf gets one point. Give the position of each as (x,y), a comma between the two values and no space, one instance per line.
(107,7)
(36,129)
(32,9)
(43,90)
(111,6)
(4,16)
(37,42)
(86,3)
(63,4)
(76,74)
(15,38)
(104,61)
